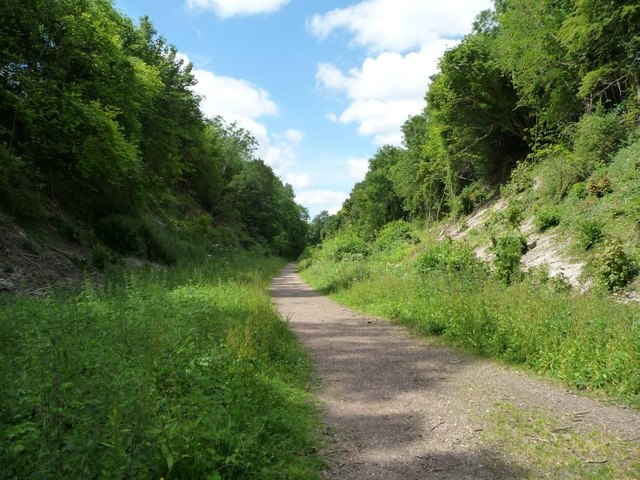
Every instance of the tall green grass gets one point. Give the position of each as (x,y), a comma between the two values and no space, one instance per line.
(588,341)
(180,373)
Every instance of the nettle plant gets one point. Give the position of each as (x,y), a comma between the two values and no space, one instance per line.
(614,267)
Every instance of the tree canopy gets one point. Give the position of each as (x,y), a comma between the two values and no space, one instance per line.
(98,115)
(532,75)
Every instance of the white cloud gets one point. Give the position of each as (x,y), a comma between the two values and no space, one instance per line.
(280,151)
(237,100)
(318,200)
(405,40)
(234,99)
(357,168)
(231,8)
(392,25)
(384,91)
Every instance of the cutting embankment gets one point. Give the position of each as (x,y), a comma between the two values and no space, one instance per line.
(399,406)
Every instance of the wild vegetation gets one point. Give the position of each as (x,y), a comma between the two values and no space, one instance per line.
(98,119)
(532,117)
(177,369)
(554,82)
(588,341)
(180,373)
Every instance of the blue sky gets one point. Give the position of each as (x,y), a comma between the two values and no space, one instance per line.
(321,84)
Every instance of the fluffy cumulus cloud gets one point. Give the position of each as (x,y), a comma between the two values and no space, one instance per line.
(385,90)
(405,41)
(357,168)
(237,100)
(392,25)
(232,8)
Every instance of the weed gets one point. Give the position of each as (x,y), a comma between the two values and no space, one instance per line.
(447,256)
(599,187)
(590,233)
(183,373)
(508,251)
(513,213)
(614,268)
(547,217)
(393,234)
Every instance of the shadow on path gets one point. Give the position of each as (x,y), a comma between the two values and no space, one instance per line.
(388,397)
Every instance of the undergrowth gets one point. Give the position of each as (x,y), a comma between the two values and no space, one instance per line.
(180,373)
(589,341)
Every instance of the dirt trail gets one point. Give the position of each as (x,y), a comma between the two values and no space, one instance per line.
(399,407)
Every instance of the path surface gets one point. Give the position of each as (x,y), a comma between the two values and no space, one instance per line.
(399,407)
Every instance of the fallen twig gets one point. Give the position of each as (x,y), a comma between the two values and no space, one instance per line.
(436,426)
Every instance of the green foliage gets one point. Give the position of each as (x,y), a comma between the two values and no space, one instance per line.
(123,234)
(508,251)
(322,226)
(98,116)
(513,213)
(373,201)
(546,217)
(578,191)
(448,256)
(587,341)
(597,137)
(520,179)
(590,233)
(183,373)
(394,234)
(600,186)
(345,246)
(613,266)
(473,196)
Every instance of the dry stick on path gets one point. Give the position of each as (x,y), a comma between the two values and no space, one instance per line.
(383,390)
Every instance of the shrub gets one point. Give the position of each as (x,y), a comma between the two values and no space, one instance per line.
(448,256)
(614,267)
(508,251)
(599,187)
(590,233)
(547,217)
(513,214)
(579,191)
(345,246)
(122,233)
(394,233)
(597,137)
(520,181)
(472,196)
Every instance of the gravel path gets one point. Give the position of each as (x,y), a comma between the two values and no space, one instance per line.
(400,407)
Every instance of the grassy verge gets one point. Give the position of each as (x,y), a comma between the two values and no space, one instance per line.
(183,373)
(551,447)
(589,342)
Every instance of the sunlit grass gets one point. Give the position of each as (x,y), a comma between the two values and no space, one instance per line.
(551,447)
(588,341)
(184,373)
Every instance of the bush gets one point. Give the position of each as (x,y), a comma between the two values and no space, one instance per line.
(513,214)
(447,256)
(579,191)
(614,267)
(597,137)
(599,187)
(521,179)
(508,251)
(547,217)
(393,234)
(122,233)
(590,233)
(472,196)
(345,246)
